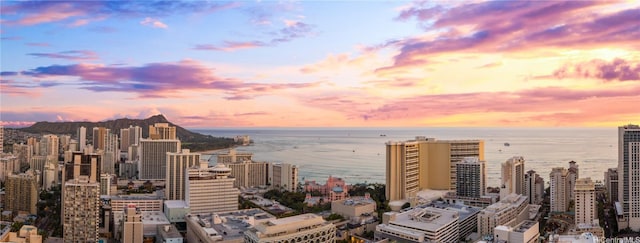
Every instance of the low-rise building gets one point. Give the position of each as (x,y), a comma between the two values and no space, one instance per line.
(175,210)
(27,234)
(509,211)
(300,228)
(419,225)
(223,227)
(167,233)
(526,232)
(354,207)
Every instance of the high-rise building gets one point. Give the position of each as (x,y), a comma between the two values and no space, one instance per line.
(21,193)
(426,163)
(50,175)
(585,201)
(513,176)
(629,174)
(572,177)
(65,142)
(82,165)
(162,131)
(82,138)
(284,176)
(132,231)
(81,210)
(611,183)
(471,177)
(510,210)
(23,152)
(152,163)
(100,137)
(534,187)
(300,228)
(8,164)
(49,145)
(558,192)
(211,190)
(177,165)
(1,139)
(110,154)
(105,184)
(233,157)
(129,136)
(249,173)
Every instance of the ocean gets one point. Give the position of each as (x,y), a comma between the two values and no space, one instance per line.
(358,154)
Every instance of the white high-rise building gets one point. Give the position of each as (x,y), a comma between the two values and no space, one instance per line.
(50,175)
(110,154)
(82,138)
(211,190)
(513,176)
(177,166)
(284,176)
(249,173)
(152,164)
(629,175)
(81,210)
(559,193)
(471,178)
(585,201)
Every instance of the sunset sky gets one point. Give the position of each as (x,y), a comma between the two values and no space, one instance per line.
(322,63)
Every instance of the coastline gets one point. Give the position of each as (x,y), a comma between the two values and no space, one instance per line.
(214,151)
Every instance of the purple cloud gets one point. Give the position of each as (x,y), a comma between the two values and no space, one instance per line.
(616,70)
(76,55)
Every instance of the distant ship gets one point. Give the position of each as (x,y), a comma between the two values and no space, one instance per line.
(383,135)
(507,144)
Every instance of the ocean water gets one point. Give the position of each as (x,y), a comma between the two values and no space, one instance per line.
(358,154)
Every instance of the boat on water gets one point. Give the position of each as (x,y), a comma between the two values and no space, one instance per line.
(507,144)
(383,135)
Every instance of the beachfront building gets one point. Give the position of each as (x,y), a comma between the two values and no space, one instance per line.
(426,163)
(300,228)
(283,176)
(233,156)
(629,176)
(224,226)
(512,179)
(177,165)
(509,211)
(249,173)
(211,190)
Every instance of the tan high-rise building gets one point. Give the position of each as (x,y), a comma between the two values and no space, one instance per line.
(210,190)
(426,163)
(100,137)
(110,154)
(129,136)
(284,176)
(22,193)
(471,178)
(81,213)
(510,211)
(233,156)
(132,231)
(585,201)
(177,166)
(8,164)
(162,131)
(249,173)
(559,193)
(628,175)
(152,164)
(82,165)
(24,152)
(513,176)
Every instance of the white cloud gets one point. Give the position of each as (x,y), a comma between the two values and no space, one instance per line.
(153,23)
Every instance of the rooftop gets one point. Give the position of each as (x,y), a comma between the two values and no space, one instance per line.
(229,225)
(168,231)
(463,211)
(429,218)
(154,217)
(176,204)
(525,225)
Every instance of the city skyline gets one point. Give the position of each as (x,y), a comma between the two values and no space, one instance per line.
(322,64)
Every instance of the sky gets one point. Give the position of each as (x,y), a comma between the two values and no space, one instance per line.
(208,64)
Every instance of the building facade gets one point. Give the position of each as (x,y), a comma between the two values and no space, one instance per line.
(249,173)
(81,210)
(177,166)
(21,193)
(152,164)
(629,174)
(132,228)
(299,228)
(162,131)
(559,193)
(425,163)
(233,156)
(509,211)
(211,190)
(512,180)
(284,176)
(428,224)
(534,187)
(471,177)
(611,183)
(585,201)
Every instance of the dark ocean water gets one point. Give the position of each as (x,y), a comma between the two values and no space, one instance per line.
(358,154)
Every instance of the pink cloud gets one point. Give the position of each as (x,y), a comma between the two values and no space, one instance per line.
(76,55)
(506,26)
(229,46)
(616,70)
(153,23)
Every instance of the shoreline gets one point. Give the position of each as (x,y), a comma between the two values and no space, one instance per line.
(214,151)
